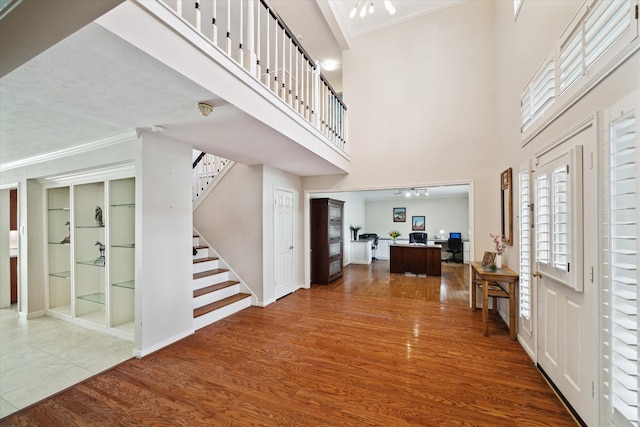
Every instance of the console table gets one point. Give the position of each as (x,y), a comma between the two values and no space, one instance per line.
(486,275)
(415,258)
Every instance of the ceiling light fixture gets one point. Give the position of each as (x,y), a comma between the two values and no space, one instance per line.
(365,6)
(205,108)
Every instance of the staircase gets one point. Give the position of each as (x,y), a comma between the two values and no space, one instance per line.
(215,295)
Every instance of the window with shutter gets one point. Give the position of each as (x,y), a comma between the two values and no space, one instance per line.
(588,48)
(525,250)
(620,278)
(558,218)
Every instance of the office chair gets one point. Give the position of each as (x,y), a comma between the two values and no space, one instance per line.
(418,238)
(455,247)
(374,243)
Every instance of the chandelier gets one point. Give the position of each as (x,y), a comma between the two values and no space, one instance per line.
(367,6)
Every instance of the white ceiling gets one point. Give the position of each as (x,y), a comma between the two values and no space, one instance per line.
(405,10)
(73,92)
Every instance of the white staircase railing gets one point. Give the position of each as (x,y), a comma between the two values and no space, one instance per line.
(252,34)
(206,167)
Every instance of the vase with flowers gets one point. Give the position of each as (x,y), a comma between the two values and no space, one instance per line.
(394,235)
(498,240)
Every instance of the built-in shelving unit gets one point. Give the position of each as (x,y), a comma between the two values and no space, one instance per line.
(59,254)
(90,219)
(91,254)
(122,254)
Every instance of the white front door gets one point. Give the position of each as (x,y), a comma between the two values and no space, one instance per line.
(565,249)
(283,240)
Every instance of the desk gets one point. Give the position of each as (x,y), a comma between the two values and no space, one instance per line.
(415,258)
(503,274)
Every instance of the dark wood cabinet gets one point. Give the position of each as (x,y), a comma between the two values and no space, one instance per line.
(327,244)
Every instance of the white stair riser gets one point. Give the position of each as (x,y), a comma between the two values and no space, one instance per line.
(210,280)
(204,266)
(202,253)
(196,241)
(214,316)
(215,296)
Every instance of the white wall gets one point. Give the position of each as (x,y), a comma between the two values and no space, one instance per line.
(231,220)
(422,101)
(163,190)
(448,214)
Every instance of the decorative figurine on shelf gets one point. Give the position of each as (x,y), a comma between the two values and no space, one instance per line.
(98,217)
(67,239)
(100,259)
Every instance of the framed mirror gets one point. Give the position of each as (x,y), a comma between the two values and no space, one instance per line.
(506,205)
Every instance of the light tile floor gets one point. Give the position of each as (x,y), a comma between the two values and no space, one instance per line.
(40,357)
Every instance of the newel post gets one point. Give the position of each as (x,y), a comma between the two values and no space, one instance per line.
(315,90)
(249,50)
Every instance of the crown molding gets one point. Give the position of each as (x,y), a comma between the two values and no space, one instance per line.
(130,135)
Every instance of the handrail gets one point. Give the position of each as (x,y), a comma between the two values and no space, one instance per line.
(197,160)
(264,41)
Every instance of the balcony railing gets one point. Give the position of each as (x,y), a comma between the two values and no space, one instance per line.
(252,34)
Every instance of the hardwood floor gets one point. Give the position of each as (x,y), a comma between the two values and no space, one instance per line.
(349,354)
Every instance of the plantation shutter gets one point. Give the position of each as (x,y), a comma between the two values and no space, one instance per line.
(608,21)
(623,268)
(524,207)
(543,219)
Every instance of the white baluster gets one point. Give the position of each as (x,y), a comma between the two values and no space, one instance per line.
(296,100)
(267,73)
(315,90)
(275,54)
(179,8)
(198,17)
(258,41)
(229,27)
(241,33)
(290,94)
(214,36)
(283,93)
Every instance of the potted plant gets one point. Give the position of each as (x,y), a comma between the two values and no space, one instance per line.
(354,231)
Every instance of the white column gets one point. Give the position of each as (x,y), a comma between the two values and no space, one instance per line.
(249,38)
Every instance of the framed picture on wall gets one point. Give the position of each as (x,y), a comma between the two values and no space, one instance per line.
(417,223)
(399,214)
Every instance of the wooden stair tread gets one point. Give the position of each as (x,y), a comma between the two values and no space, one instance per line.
(201,247)
(209,273)
(218,304)
(213,288)
(210,258)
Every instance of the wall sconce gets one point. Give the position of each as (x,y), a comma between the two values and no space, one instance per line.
(205,108)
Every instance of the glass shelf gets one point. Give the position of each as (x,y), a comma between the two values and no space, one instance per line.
(89,226)
(58,209)
(125,245)
(123,205)
(98,298)
(91,263)
(60,243)
(62,274)
(129,284)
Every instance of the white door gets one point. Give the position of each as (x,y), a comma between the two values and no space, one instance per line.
(564,186)
(283,240)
